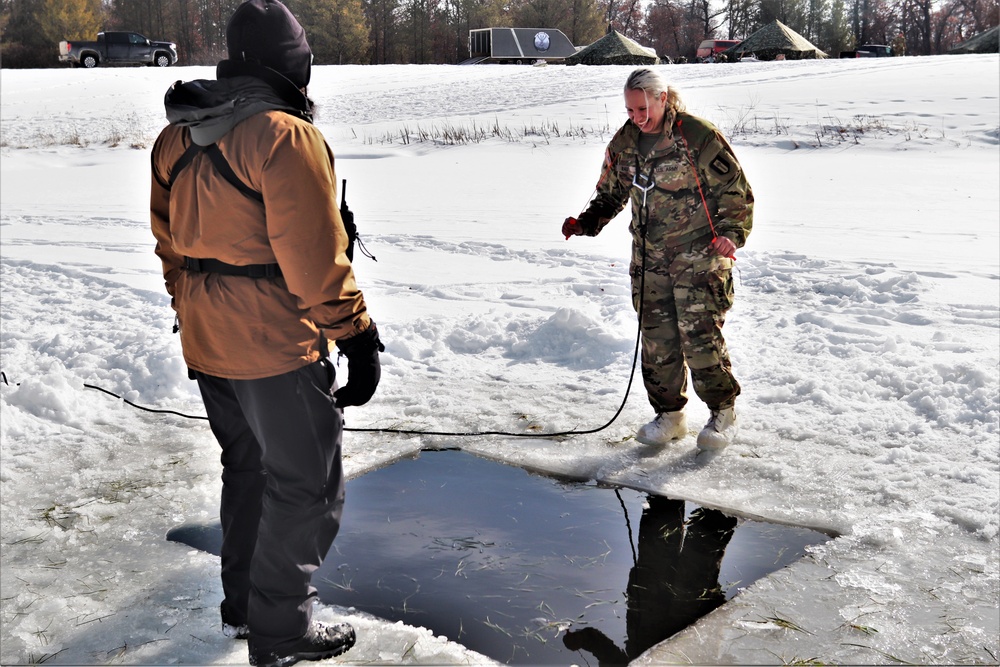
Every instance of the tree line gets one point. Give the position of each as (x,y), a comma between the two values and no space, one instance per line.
(436,31)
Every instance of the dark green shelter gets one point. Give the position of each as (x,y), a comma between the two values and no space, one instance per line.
(772,40)
(614,49)
(984,42)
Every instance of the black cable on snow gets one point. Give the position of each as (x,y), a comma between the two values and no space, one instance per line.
(644,213)
(141,407)
(467,434)
(400,431)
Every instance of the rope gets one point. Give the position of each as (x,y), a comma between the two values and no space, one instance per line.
(643,221)
(140,407)
(697,180)
(399,431)
(644,213)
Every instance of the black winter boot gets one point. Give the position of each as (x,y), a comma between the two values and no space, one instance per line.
(322,641)
(231,627)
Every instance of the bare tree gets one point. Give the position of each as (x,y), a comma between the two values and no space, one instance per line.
(671,30)
(741,16)
(708,18)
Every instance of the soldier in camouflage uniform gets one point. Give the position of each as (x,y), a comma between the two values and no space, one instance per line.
(692,207)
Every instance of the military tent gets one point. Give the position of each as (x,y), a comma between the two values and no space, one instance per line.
(773,39)
(614,49)
(984,42)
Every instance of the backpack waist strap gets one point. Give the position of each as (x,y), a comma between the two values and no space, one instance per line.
(200,265)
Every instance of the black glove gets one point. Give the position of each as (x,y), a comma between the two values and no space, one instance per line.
(571,227)
(363,368)
(586,223)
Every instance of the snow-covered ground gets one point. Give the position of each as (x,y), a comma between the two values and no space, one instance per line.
(866,335)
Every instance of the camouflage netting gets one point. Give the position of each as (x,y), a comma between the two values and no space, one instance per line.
(984,42)
(614,49)
(773,39)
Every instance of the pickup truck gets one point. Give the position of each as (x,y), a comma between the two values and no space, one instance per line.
(869,51)
(118,48)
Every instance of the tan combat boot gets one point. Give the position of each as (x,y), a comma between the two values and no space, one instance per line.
(720,431)
(665,427)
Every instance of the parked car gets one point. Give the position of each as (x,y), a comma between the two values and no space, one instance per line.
(869,51)
(118,48)
(874,51)
(709,48)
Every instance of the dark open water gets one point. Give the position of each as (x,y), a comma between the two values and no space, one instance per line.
(528,569)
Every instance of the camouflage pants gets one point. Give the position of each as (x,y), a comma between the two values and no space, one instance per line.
(687,295)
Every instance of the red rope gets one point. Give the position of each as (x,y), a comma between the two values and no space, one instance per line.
(694,170)
(608,164)
(697,180)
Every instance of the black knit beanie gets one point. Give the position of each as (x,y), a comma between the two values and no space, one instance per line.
(266,33)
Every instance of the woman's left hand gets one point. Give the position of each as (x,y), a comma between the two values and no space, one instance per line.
(723,246)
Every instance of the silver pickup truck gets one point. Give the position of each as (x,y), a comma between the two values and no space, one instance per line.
(118,48)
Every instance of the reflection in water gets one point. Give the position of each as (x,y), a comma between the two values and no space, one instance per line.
(674,582)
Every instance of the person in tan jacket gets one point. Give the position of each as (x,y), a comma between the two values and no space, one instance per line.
(243,209)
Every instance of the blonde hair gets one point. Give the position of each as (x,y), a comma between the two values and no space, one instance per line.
(653,83)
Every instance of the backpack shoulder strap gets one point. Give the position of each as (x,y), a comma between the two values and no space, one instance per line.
(221,165)
(184,160)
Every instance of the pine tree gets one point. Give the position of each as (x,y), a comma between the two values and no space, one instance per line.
(69,19)
(336,29)
(836,35)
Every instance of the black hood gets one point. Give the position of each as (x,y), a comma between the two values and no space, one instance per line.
(211,108)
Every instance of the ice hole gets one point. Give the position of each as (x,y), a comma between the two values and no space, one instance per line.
(530,569)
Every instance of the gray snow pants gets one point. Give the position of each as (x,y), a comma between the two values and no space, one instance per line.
(282,494)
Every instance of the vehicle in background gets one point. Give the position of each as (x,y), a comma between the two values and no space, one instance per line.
(117,48)
(869,51)
(710,48)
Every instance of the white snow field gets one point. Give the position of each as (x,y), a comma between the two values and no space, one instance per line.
(866,335)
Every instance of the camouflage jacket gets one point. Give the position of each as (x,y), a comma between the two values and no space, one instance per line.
(676,210)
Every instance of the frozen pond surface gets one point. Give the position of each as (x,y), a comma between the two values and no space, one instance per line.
(866,336)
(529,569)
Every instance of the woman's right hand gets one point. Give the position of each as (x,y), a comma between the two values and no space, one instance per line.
(571,227)
(724,247)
